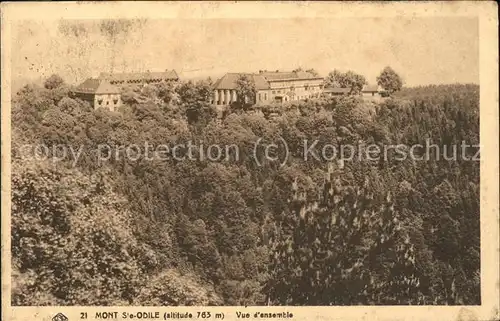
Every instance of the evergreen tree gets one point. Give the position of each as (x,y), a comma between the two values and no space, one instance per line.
(342,247)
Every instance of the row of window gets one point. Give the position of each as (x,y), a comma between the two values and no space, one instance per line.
(261,97)
(115,101)
(138,81)
(306,87)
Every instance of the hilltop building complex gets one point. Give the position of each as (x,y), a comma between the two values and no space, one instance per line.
(99,93)
(105,91)
(270,87)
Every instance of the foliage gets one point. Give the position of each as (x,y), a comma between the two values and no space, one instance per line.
(53,82)
(245,90)
(71,239)
(390,80)
(195,99)
(312,71)
(344,247)
(172,289)
(349,79)
(220,232)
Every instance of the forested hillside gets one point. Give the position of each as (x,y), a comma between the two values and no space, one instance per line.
(198,232)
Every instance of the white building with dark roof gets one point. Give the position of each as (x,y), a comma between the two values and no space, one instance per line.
(99,93)
(105,91)
(371,92)
(270,87)
(335,91)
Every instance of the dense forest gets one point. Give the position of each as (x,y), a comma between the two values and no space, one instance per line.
(169,232)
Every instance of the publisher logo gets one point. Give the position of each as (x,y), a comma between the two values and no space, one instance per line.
(60,317)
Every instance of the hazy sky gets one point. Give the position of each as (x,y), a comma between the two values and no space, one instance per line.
(422,50)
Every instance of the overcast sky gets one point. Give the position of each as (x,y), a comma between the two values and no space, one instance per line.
(422,50)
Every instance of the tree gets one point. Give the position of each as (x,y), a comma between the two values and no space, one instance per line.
(313,72)
(71,239)
(194,95)
(182,230)
(166,92)
(245,89)
(195,99)
(171,288)
(349,79)
(390,80)
(53,82)
(346,247)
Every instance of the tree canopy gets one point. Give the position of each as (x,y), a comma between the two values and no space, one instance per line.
(348,79)
(245,90)
(390,80)
(53,82)
(148,231)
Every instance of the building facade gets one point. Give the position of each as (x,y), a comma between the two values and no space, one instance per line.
(290,86)
(270,87)
(371,92)
(99,93)
(105,91)
(335,91)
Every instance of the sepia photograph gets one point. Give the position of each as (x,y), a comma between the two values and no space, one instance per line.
(256,161)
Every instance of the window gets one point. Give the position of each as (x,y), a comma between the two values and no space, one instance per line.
(274,92)
(99,101)
(107,103)
(115,101)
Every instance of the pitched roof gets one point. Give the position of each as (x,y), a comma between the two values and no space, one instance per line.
(262,79)
(139,76)
(106,88)
(88,86)
(294,75)
(370,88)
(96,86)
(305,75)
(278,75)
(228,81)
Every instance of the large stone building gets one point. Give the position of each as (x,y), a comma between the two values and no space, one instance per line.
(270,87)
(99,93)
(105,90)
